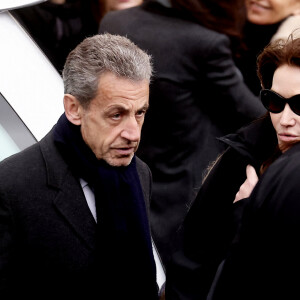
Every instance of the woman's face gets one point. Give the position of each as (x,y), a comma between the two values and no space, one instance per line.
(265,12)
(121,4)
(286,82)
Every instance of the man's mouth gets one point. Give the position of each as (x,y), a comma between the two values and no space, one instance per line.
(124,151)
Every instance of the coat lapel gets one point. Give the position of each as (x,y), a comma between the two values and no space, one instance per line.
(72,205)
(70,200)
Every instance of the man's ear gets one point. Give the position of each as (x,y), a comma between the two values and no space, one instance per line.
(72,109)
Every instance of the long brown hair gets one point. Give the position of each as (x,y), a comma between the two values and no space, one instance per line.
(277,152)
(276,54)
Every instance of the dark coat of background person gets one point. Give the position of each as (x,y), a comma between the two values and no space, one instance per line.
(48,203)
(58,28)
(256,37)
(213,220)
(196,95)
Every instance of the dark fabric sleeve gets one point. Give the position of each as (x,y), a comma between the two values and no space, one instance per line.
(145,176)
(228,92)
(263,262)
(58,28)
(237,213)
(207,231)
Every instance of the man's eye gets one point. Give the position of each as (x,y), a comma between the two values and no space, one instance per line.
(140,113)
(116,116)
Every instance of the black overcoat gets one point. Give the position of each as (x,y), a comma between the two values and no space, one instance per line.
(264,259)
(47,231)
(212,221)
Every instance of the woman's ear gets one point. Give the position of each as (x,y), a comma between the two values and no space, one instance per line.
(72,109)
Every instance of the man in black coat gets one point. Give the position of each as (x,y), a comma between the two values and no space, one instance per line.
(73,207)
(196,95)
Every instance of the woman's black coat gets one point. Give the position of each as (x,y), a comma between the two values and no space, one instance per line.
(264,260)
(210,225)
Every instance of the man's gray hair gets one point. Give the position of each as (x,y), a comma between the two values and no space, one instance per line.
(100,54)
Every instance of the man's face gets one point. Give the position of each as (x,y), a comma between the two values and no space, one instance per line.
(111,125)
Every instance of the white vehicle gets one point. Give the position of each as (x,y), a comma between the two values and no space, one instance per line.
(31,90)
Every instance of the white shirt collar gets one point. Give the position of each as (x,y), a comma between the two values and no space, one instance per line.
(90,197)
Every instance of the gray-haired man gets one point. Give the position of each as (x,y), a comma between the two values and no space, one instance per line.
(73,207)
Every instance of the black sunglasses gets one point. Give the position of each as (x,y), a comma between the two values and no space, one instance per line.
(275,103)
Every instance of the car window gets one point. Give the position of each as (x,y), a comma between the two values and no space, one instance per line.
(14,135)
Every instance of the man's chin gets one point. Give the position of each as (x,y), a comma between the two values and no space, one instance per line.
(120,161)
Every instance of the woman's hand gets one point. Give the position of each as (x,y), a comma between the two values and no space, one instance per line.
(248,185)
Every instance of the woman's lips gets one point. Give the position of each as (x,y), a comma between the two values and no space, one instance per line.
(287,137)
(254,6)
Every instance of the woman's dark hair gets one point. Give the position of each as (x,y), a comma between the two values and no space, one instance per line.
(276,54)
(227,17)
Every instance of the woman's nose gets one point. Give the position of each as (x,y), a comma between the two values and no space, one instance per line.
(287,116)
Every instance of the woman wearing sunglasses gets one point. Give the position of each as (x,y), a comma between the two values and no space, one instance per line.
(264,257)
(264,260)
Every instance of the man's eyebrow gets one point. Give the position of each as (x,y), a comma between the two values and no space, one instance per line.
(117,106)
(145,107)
(121,108)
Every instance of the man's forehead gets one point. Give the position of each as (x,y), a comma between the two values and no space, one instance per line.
(110,78)
(114,89)
(127,104)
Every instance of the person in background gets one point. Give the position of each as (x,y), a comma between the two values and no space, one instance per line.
(73,207)
(196,95)
(263,260)
(58,26)
(267,20)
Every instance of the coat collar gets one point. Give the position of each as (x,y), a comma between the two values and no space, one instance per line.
(255,141)
(70,200)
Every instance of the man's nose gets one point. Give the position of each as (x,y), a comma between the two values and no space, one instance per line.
(132,130)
